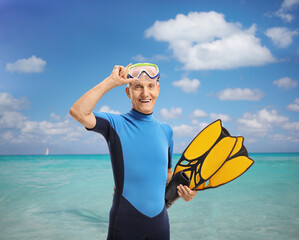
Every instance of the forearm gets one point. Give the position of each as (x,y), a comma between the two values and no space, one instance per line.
(83,107)
(169,175)
(85,104)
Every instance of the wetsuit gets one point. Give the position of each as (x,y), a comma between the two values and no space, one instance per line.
(141,151)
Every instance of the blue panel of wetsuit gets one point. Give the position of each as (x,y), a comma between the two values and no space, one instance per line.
(141,150)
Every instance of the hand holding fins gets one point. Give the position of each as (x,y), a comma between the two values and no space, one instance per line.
(171,194)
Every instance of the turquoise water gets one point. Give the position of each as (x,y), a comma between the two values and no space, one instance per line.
(69,197)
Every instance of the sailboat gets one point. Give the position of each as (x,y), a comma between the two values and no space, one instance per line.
(47,151)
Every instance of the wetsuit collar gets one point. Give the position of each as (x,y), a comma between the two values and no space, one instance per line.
(141,116)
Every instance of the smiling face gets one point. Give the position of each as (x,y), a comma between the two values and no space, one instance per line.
(143,94)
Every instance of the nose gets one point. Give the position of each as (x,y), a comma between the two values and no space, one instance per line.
(145,92)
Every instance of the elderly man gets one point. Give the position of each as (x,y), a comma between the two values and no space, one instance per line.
(141,152)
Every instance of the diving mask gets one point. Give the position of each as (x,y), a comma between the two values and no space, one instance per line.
(151,70)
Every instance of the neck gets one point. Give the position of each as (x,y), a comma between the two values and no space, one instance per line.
(142,112)
(141,116)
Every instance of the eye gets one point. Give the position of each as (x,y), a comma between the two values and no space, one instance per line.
(151,86)
(137,86)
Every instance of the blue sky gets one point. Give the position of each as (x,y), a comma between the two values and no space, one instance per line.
(234,60)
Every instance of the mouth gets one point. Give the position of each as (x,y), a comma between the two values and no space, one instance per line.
(145,100)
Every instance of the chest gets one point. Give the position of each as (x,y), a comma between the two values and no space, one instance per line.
(144,145)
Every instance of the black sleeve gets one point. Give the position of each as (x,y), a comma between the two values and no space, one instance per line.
(102,126)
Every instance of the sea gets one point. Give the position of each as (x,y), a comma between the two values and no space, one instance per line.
(68,197)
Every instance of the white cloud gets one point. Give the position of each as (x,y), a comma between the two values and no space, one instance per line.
(281,36)
(187,85)
(271,116)
(183,131)
(25,131)
(10,103)
(205,40)
(197,113)
(7,136)
(107,109)
(172,113)
(55,116)
(139,58)
(198,126)
(9,106)
(153,59)
(283,138)
(12,119)
(285,83)
(223,117)
(202,125)
(286,7)
(279,137)
(29,65)
(15,127)
(63,129)
(195,121)
(260,123)
(294,106)
(160,57)
(19,134)
(294,126)
(247,94)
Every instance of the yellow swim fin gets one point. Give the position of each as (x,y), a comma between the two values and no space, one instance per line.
(213,158)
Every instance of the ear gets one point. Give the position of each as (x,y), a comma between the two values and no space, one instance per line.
(128,92)
(158,89)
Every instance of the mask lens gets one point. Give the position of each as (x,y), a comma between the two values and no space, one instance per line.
(150,70)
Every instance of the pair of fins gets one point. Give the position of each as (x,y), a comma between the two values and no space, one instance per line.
(212,159)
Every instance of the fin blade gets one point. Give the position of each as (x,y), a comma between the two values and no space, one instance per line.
(238,146)
(218,155)
(204,140)
(231,170)
(201,187)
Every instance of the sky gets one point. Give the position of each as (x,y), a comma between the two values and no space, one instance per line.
(236,61)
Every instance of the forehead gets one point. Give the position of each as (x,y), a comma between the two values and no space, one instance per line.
(144,82)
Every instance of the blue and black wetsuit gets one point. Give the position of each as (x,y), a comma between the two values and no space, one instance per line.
(141,153)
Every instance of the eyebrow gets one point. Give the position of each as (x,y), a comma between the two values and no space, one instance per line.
(145,84)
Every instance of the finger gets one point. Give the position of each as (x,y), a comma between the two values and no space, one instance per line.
(179,190)
(179,193)
(184,191)
(194,192)
(122,72)
(130,80)
(182,194)
(116,70)
(117,67)
(188,190)
(127,70)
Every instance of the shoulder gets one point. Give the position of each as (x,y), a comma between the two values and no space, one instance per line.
(109,116)
(112,118)
(106,115)
(167,130)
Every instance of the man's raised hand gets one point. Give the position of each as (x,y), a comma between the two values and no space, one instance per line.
(119,75)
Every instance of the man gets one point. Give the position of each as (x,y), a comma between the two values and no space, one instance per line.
(140,149)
